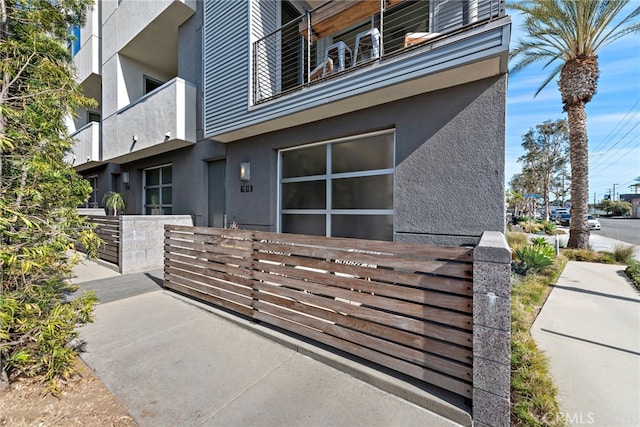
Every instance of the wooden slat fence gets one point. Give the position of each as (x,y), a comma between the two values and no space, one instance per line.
(406,307)
(108,229)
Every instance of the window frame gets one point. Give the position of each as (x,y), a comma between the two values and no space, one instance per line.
(146,79)
(94,192)
(328,176)
(159,186)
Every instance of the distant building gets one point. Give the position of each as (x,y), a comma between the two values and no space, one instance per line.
(634,199)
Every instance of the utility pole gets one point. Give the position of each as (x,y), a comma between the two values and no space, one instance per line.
(614,193)
(594,203)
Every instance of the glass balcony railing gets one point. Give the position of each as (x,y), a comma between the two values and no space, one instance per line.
(341,36)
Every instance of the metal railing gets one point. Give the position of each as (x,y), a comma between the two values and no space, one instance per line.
(340,36)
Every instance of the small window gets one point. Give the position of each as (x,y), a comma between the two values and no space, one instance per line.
(158,190)
(93,116)
(151,84)
(74,42)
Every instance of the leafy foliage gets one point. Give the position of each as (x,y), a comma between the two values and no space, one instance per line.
(533,394)
(618,207)
(534,257)
(546,156)
(633,271)
(623,253)
(114,202)
(39,192)
(38,327)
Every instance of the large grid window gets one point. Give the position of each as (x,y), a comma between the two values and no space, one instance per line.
(341,188)
(158,190)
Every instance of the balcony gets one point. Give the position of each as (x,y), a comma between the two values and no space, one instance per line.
(339,38)
(147,31)
(161,121)
(86,152)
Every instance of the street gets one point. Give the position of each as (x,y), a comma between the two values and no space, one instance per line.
(626,230)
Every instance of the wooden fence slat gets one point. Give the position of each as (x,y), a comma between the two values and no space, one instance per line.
(421,327)
(108,230)
(427,251)
(415,341)
(212,281)
(210,290)
(408,354)
(448,301)
(443,268)
(403,306)
(429,376)
(207,257)
(204,296)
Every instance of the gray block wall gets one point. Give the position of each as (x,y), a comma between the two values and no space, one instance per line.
(142,240)
(491,331)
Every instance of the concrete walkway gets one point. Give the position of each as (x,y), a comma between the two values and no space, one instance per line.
(175,362)
(589,328)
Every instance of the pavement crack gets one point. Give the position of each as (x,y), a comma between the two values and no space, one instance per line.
(249,387)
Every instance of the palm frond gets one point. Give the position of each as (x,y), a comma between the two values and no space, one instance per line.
(563,30)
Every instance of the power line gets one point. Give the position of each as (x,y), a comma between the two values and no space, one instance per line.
(624,119)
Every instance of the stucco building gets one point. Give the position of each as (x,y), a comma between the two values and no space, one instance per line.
(368,119)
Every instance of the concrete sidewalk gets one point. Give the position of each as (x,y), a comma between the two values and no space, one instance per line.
(589,328)
(175,362)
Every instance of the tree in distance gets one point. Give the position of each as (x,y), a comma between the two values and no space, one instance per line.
(568,34)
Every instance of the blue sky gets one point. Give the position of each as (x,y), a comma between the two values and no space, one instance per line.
(613,115)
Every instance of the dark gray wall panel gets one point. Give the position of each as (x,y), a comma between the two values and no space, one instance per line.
(449,183)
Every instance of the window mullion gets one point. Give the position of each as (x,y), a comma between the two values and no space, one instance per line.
(329,205)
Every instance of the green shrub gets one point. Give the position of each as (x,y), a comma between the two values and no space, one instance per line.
(580,255)
(606,258)
(633,271)
(550,227)
(37,328)
(515,240)
(533,394)
(623,253)
(539,241)
(532,258)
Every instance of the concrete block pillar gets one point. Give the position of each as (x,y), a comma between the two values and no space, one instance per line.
(491,330)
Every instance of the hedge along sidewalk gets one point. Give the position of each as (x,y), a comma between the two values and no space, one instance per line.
(533,393)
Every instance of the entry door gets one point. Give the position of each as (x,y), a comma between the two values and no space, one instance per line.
(217,194)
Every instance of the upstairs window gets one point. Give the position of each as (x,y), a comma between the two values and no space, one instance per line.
(151,84)
(74,43)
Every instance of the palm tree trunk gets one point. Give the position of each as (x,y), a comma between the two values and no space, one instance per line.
(579,156)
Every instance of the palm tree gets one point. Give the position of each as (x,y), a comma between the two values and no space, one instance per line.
(569,34)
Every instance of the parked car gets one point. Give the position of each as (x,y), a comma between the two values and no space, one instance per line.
(594,224)
(564,219)
(555,216)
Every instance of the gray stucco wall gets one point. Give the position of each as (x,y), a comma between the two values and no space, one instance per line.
(189,179)
(449,182)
